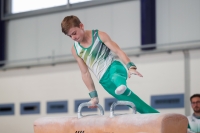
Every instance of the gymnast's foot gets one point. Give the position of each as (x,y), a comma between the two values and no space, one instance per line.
(120,89)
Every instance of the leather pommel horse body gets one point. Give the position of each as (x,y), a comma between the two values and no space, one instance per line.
(129,123)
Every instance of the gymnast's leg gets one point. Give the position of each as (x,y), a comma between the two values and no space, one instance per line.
(114,82)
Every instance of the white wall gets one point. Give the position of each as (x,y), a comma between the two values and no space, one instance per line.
(177,20)
(41,36)
(163,74)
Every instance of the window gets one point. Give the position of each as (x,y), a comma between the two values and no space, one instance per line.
(14,9)
(7,109)
(57,107)
(30,108)
(30,5)
(167,101)
(19,6)
(77,1)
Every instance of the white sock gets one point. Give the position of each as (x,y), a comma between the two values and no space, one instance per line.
(120,90)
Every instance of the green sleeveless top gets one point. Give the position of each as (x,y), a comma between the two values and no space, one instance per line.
(97,56)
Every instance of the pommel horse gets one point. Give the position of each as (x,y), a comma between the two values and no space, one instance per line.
(114,123)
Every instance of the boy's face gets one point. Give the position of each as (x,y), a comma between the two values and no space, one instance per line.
(76,33)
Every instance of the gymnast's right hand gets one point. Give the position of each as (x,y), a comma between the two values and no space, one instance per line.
(94,101)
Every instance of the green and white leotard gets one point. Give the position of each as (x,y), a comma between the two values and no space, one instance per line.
(97,56)
(110,72)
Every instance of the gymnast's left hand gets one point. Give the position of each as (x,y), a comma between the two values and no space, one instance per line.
(133,71)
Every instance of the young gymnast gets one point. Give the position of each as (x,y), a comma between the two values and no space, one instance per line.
(92,49)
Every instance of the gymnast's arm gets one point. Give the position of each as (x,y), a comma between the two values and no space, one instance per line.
(117,50)
(86,76)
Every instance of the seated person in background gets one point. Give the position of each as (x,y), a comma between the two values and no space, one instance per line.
(194,119)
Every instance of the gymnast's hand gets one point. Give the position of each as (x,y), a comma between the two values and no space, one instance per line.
(94,101)
(133,71)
